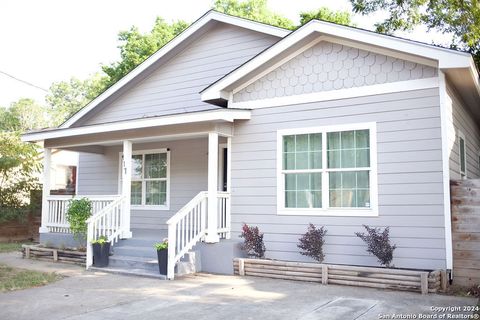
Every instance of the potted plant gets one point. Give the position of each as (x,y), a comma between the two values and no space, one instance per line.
(101,252)
(162,253)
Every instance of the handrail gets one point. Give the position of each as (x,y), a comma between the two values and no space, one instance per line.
(185,229)
(107,222)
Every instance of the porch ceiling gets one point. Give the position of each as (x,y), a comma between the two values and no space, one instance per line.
(185,125)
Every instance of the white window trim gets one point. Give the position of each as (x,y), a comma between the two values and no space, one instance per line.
(463,174)
(142,152)
(326,211)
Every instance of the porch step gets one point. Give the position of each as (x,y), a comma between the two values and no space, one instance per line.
(135,251)
(133,263)
(131,272)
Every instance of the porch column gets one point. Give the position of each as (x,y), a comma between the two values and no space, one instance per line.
(126,187)
(212,235)
(47,156)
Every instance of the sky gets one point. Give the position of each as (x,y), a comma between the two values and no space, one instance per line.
(53,40)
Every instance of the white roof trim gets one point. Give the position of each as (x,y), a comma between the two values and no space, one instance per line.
(228,115)
(194,27)
(446,58)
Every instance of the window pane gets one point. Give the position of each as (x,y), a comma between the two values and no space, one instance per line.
(301,160)
(349,189)
(137,166)
(155,193)
(301,142)
(290,199)
(136,193)
(291,182)
(315,160)
(362,139)
(289,144)
(348,139)
(303,190)
(348,158)
(156,165)
(333,140)
(334,159)
(315,142)
(362,158)
(462,155)
(289,161)
(348,149)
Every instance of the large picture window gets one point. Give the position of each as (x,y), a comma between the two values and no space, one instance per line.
(327,170)
(150,179)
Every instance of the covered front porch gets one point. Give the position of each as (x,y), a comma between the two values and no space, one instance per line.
(171,178)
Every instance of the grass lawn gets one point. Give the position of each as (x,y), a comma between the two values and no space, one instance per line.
(16,279)
(10,246)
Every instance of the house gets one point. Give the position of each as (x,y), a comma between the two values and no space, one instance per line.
(236,121)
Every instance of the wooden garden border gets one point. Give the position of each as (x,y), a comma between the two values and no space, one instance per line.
(396,279)
(51,254)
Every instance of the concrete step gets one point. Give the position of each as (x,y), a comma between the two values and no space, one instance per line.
(131,272)
(135,251)
(137,242)
(129,262)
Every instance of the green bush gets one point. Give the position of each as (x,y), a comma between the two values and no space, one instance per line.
(161,245)
(77,214)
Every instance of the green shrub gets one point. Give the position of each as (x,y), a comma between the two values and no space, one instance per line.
(161,245)
(77,214)
(101,240)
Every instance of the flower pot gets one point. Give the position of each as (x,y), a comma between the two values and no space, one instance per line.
(101,253)
(162,261)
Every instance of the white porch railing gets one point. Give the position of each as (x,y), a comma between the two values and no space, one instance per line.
(108,222)
(223,212)
(189,225)
(58,206)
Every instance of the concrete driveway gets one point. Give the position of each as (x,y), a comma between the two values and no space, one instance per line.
(96,295)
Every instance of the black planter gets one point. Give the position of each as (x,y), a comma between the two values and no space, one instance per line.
(162,261)
(101,254)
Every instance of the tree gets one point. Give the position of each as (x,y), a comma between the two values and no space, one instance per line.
(326,14)
(23,115)
(67,97)
(135,47)
(18,167)
(458,18)
(254,10)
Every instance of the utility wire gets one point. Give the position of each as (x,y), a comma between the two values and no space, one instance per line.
(23,81)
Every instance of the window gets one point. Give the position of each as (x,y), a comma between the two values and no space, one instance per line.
(150,179)
(329,170)
(462,151)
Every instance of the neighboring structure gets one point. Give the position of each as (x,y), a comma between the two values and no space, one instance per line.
(233,121)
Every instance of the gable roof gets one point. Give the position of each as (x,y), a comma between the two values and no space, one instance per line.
(171,48)
(442,58)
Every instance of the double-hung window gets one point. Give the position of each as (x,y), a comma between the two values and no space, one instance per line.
(150,179)
(328,170)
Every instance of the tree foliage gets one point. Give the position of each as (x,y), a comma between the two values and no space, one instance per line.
(326,14)
(18,167)
(458,18)
(254,10)
(79,210)
(23,115)
(67,97)
(135,47)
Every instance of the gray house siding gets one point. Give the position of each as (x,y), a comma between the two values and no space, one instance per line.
(329,66)
(461,119)
(410,191)
(174,87)
(99,174)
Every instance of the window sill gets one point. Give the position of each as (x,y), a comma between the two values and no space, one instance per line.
(156,208)
(329,212)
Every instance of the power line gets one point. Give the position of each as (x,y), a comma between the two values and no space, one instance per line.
(23,81)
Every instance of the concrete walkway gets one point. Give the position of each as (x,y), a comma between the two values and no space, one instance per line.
(96,295)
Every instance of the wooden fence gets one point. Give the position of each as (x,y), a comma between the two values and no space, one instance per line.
(465,197)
